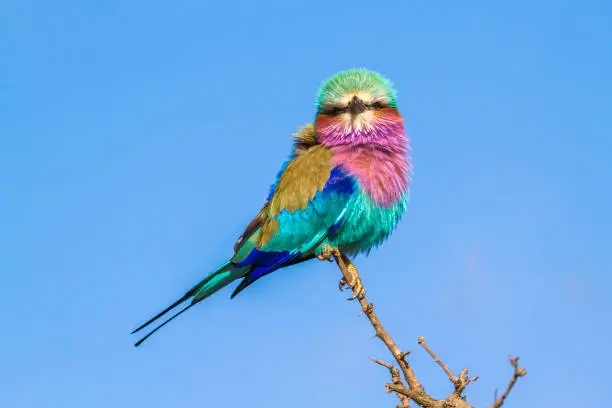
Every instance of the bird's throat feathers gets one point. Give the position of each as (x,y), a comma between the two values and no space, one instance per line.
(382,129)
(377,154)
(383,175)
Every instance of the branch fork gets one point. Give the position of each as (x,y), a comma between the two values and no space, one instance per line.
(404,382)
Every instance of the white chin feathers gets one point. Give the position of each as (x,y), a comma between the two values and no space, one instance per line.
(360,122)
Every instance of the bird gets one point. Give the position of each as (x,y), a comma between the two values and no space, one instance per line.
(341,192)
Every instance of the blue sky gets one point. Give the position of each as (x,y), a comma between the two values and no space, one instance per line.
(138,138)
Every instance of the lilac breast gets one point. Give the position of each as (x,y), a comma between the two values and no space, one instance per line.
(383,175)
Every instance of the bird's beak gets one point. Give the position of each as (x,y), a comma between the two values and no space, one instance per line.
(356,106)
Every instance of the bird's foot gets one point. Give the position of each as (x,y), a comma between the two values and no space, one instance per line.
(352,281)
(327,253)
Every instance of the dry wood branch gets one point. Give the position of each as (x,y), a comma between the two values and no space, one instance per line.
(448,372)
(460,382)
(411,389)
(351,276)
(396,379)
(518,372)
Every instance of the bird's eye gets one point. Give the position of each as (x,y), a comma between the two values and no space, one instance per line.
(334,111)
(377,105)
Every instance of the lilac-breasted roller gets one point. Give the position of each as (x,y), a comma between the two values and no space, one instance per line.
(343,189)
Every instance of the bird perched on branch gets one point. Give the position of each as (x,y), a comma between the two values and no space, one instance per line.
(342,191)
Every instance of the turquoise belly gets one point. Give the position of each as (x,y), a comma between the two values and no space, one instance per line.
(366,224)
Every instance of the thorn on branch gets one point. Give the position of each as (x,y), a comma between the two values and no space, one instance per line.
(367,309)
(405,354)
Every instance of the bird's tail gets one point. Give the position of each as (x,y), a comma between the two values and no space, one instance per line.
(224,275)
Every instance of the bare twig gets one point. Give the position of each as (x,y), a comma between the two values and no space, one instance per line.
(396,379)
(415,388)
(518,372)
(412,389)
(448,372)
(459,382)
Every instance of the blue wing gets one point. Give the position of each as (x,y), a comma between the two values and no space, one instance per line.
(294,235)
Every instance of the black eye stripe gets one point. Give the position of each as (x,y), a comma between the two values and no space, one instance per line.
(337,110)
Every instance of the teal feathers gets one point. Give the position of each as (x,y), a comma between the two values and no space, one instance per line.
(355,80)
(216,280)
(344,185)
(367,225)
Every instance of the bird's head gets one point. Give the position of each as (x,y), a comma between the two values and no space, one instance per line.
(358,106)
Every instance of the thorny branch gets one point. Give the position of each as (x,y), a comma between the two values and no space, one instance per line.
(409,388)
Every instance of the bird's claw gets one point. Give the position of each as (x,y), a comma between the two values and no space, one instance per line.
(352,280)
(327,253)
(354,283)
